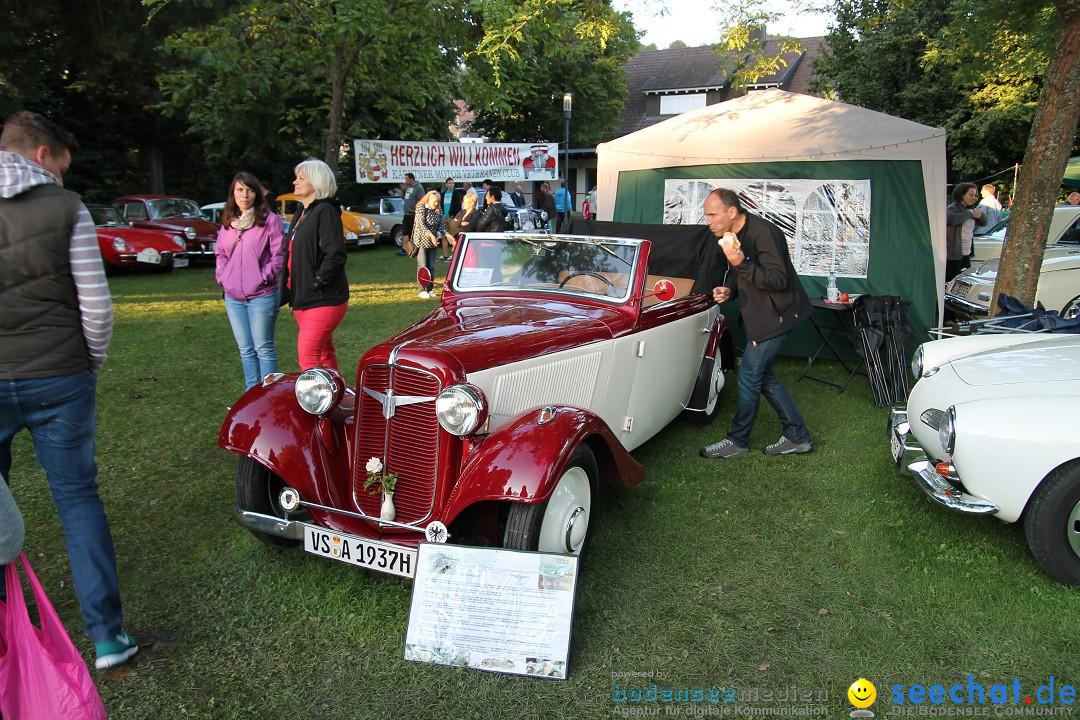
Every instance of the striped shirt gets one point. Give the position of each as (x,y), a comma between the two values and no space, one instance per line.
(17,175)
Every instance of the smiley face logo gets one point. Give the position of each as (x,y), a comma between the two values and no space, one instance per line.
(862,693)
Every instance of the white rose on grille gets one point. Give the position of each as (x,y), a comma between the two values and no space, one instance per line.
(374,465)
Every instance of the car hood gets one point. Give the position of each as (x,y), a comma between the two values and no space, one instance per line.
(485,333)
(1050,361)
(1056,257)
(157,239)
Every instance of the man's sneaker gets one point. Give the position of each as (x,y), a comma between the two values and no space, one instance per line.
(726,448)
(116,651)
(783,446)
(424,294)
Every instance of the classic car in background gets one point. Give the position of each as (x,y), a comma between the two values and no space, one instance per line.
(388,212)
(123,246)
(1063,224)
(173,214)
(969,294)
(992,422)
(359,229)
(498,414)
(213,211)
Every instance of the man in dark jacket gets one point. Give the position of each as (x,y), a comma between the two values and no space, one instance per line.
(494,217)
(773,302)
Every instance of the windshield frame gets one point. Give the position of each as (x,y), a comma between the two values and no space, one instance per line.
(154,207)
(605,246)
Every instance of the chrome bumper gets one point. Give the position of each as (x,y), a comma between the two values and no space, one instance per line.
(268,524)
(903,446)
(942,492)
(965,307)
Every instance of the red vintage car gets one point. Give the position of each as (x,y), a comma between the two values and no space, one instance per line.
(123,246)
(494,418)
(173,214)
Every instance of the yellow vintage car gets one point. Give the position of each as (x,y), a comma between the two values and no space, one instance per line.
(359,229)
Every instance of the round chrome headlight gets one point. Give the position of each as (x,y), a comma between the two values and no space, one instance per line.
(189,233)
(319,390)
(947,430)
(461,409)
(179,242)
(917,363)
(376,226)
(119,244)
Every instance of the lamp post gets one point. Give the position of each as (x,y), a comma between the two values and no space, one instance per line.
(567,103)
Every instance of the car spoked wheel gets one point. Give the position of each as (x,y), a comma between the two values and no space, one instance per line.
(257,490)
(560,523)
(1071,310)
(395,234)
(1052,524)
(706,393)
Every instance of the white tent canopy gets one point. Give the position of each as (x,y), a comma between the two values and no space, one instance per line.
(774,125)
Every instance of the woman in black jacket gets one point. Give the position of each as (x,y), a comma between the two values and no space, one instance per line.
(314,282)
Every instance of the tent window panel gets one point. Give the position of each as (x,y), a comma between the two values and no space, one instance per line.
(676,104)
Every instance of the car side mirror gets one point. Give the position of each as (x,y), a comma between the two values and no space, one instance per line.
(663,290)
(423,276)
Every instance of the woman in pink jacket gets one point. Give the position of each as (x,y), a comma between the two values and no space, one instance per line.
(250,253)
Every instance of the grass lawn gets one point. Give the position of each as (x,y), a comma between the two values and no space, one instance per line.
(755,574)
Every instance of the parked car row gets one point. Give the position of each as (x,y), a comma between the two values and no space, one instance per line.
(970,294)
(124,246)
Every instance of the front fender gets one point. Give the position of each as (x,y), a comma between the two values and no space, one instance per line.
(267,425)
(524,459)
(1006,446)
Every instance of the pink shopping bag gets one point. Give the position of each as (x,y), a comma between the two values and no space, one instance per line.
(42,676)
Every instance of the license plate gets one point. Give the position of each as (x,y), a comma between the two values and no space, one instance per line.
(897,448)
(366,241)
(371,554)
(179,262)
(150,256)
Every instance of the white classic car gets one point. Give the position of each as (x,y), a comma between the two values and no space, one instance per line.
(970,294)
(991,422)
(988,245)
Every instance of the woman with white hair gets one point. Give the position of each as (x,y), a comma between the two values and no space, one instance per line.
(314,282)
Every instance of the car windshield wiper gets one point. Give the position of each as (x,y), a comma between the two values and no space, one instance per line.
(609,251)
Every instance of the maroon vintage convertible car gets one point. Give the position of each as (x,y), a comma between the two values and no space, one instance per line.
(494,418)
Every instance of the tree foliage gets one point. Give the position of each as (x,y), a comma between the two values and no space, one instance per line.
(535,51)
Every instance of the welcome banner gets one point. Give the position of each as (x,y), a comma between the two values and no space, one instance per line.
(387,161)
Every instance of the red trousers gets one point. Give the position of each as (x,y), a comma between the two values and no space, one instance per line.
(315,339)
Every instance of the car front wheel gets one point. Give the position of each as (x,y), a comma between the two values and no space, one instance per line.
(396,235)
(257,490)
(561,523)
(1052,524)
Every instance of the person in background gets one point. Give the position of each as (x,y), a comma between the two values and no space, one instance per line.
(586,208)
(451,204)
(314,282)
(56,319)
(12,529)
(545,202)
(494,217)
(411,192)
(268,196)
(518,196)
(1073,198)
(468,216)
(481,193)
(772,304)
(428,231)
(961,217)
(249,256)
(564,205)
(990,207)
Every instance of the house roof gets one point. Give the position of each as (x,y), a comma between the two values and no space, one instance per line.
(701,69)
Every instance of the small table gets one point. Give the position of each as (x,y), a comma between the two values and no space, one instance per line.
(841,320)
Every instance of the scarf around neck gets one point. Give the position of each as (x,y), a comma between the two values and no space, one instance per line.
(245,221)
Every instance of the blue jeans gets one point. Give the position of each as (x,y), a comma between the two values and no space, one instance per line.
(253,323)
(755,379)
(425,257)
(59,413)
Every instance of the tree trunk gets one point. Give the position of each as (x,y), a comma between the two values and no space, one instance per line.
(1050,142)
(337,105)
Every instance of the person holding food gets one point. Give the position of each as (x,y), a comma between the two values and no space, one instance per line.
(773,303)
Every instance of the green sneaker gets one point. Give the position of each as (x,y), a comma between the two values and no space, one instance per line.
(116,651)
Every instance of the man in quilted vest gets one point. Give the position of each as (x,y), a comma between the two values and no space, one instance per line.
(55,326)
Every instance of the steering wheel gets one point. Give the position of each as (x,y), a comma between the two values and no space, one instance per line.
(598,276)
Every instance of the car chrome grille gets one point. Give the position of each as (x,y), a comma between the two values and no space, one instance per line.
(407,442)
